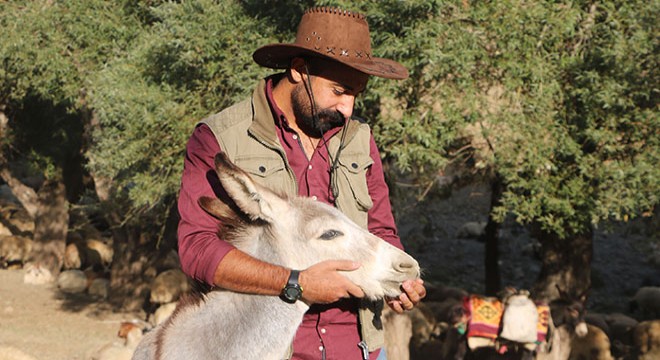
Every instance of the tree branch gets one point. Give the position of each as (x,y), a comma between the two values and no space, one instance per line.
(25,194)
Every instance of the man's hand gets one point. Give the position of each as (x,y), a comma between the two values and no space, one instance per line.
(413,292)
(322,283)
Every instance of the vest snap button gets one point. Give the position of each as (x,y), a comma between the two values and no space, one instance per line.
(262,169)
(354,165)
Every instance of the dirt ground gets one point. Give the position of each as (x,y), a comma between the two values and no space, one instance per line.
(48,325)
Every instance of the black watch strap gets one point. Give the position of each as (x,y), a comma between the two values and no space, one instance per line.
(292,291)
(293,278)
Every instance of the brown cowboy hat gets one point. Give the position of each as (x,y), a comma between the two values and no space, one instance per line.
(336,34)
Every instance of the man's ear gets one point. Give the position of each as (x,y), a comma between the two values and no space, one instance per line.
(297,70)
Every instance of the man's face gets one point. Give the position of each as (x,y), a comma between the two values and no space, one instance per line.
(326,118)
(334,87)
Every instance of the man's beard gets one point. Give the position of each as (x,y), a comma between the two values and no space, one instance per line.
(326,118)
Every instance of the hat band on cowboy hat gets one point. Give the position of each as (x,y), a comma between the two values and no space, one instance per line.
(339,35)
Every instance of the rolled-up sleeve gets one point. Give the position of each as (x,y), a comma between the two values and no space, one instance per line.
(200,248)
(380,218)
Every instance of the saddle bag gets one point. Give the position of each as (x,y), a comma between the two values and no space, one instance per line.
(520,319)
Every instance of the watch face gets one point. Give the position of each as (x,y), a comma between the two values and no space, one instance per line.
(292,293)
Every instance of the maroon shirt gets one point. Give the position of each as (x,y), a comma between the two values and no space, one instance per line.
(332,328)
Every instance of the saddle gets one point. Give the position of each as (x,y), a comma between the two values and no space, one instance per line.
(492,323)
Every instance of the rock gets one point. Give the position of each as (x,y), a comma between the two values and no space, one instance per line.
(14,249)
(131,333)
(163,313)
(4,230)
(168,286)
(37,274)
(99,287)
(121,350)
(7,196)
(72,281)
(17,219)
(90,253)
(471,230)
(101,252)
(72,257)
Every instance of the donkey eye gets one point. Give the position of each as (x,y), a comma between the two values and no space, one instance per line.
(331,234)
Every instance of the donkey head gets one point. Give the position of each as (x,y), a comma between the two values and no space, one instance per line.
(299,232)
(570,311)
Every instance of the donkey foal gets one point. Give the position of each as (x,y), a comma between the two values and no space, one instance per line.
(293,232)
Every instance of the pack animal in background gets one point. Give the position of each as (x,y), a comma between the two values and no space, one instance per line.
(595,345)
(646,339)
(479,334)
(520,318)
(517,325)
(566,322)
(646,303)
(619,328)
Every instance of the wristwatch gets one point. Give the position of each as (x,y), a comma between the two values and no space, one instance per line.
(292,291)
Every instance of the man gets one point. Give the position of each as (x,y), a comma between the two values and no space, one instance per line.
(296,136)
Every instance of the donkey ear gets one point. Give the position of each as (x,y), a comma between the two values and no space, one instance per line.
(562,294)
(215,207)
(253,199)
(585,295)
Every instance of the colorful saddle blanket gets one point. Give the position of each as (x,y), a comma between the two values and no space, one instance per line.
(543,322)
(485,319)
(485,315)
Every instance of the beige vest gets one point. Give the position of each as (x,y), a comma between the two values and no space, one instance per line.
(246,132)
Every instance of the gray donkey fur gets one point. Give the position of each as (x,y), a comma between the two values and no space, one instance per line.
(293,232)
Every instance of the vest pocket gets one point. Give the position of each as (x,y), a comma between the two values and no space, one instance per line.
(260,166)
(353,169)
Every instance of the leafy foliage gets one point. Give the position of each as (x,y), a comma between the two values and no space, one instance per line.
(557,99)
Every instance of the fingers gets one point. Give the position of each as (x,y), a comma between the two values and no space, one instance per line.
(406,303)
(340,265)
(323,282)
(410,295)
(355,290)
(346,265)
(395,305)
(413,292)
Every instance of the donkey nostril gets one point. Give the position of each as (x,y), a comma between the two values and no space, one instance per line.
(405,266)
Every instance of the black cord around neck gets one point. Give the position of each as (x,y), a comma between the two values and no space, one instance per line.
(334,162)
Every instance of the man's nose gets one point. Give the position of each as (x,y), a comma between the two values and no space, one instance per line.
(345,105)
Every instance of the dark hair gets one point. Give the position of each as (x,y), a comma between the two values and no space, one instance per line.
(315,65)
